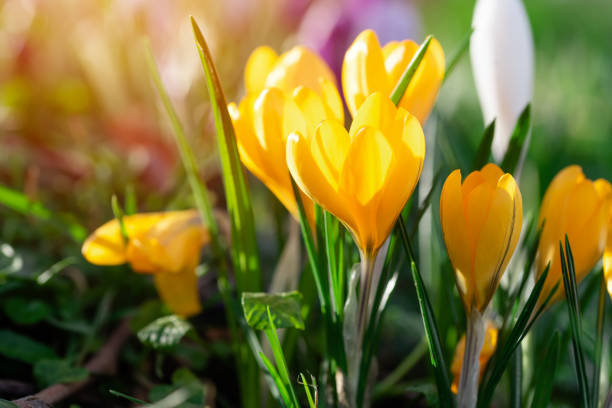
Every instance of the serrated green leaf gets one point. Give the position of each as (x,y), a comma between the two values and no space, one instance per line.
(55,371)
(544,383)
(16,346)
(285,309)
(164,332)
(519,135)
(26,312)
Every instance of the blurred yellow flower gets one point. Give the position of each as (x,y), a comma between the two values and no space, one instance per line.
(488,349)
(167,245)
(289,93)
(481,222)
(607,257)
(363,176)
(578,207)
(368,68)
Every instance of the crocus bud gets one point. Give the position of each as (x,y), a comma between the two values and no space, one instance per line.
(488,349)
(501,50)
(578,207)
(370,68)
(481,223)
(167,245)
(289,93)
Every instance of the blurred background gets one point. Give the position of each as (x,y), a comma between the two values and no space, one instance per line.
(80,119)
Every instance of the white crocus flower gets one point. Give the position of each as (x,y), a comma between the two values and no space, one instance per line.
(501,50)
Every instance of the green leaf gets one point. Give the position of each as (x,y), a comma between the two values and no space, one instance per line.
(456,56)
(484,148)
(244,243)
(544,383)
(54,371)
(402,84)
(431,327)
(515,147)
(495,369)
(22,204)
(26,312)
(601,318)
(279,358)
(16,346)
(127,397)
(311,403)
(164,332)
(573,309)
(285,309)
(7,404)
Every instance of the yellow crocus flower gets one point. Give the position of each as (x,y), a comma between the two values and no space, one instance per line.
(363,176)
(481,223)
(488,349)
(368,68)
(578,207)
(289,93)
(167,245)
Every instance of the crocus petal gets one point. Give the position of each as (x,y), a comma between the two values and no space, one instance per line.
(311,180)
(376,111)
(454,229)
(501,50)
(363,178)
(106,245)
(299,67)
(363,70)
(500,233)
(179,291)
(330,145)
(259,64)
(607,260)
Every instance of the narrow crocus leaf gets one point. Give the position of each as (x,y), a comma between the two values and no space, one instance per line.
(402,85)
(7,404)
(19,202)
(517,142)
(312,403)
(244,244)
(484,148)
(285,309)
(456,56)
(573,309)
(429,322)
(544,383)
(278,381)
(118,213)
(601,317)
(495,369)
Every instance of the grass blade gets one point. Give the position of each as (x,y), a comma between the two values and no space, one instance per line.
(544,383)
(431,329)
(244,243)
(483,153)
(402,85)
(573,309)
(519,136)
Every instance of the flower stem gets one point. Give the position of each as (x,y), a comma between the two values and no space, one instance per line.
(367,272)
(470,370)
